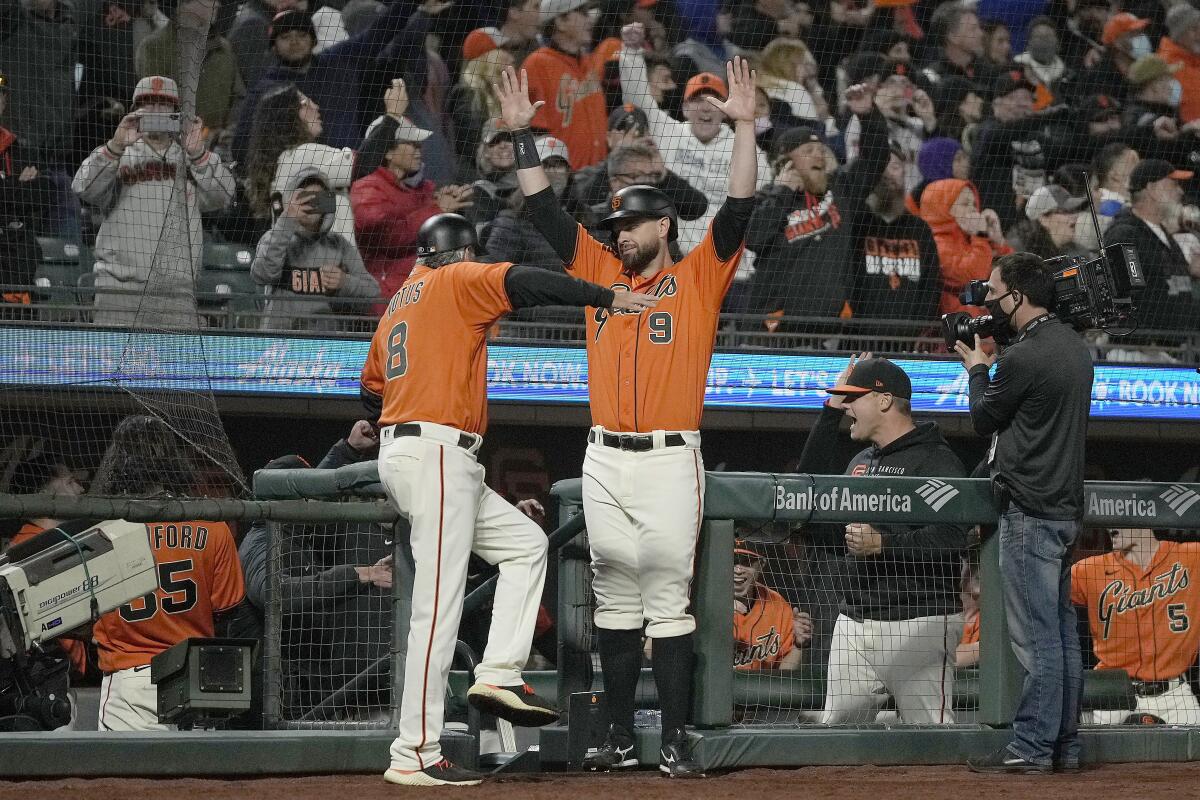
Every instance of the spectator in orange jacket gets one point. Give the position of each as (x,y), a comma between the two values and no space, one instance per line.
(566,75)
(1182,46)
(967,237)
(390,204)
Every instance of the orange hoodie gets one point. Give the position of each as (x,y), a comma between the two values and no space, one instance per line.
(963,257)
(1188,76)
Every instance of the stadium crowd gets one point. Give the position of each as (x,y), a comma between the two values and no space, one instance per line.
(903,143)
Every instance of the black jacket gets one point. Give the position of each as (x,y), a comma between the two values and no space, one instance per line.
(804,242)
(896,270)
(1167,301)
(919,571)
(1009,156)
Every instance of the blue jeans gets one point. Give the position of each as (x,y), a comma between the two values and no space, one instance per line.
(1035,569)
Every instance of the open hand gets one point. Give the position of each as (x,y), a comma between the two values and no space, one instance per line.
(512,91)
(378,574)
(625,300)
(974,356)
(739,106)
(837,400)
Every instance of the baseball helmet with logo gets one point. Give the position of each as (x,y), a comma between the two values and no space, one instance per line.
(642,202)
(444,232)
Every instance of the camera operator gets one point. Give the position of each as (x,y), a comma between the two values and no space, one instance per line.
(1035,408)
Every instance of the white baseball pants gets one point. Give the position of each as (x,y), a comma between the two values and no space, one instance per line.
(911,659)
(644,511)
(129,702)
(439,487)
(1176,706)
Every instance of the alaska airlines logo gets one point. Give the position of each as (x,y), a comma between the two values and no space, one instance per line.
(1118,598)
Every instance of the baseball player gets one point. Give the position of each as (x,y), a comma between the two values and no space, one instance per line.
(763,625)
(1141,600)
(425,381)
(200,592)
(901,614)
(643,477)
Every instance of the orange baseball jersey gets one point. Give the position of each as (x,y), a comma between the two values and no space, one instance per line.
(428,359)
(27,532)
(764,634)
(574,108)
(1142,621)
(198,575)
(648,371)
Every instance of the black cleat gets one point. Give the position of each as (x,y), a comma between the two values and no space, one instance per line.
(517,704)
(1003,761)
(615,753)
(443,773)
(675,756)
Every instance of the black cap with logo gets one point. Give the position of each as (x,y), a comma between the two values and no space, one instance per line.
(875,375)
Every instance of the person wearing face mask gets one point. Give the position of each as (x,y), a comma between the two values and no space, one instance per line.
(967,238)
(1181,46)
(1103,69)
(1168,301)
(1035,409)
(1152,113)
(700,150)
(1042,64)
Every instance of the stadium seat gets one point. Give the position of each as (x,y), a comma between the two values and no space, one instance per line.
(227,256)
(62,263)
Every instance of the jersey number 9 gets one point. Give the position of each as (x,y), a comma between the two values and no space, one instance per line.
(662,327)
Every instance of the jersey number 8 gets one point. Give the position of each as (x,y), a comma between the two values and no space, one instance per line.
(397,353)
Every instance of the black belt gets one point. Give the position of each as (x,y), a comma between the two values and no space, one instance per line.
(465,440)
(1153,688)
(637,442)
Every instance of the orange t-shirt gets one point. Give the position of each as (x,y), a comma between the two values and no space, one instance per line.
(648,371)
(27,532)
(970,634)
(764,634)
(1142,621)
(574,108)
(199,575)
(428,358)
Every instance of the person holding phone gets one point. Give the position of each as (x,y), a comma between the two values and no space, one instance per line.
(130,180)
(305,268)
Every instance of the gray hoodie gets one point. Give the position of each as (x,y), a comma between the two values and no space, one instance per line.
(288,262)
(134,193)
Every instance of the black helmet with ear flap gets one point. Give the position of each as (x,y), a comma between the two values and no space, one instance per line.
(644,202)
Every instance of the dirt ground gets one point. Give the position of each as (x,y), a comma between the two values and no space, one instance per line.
(810,783)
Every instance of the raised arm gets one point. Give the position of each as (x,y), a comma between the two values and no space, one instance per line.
(547,215)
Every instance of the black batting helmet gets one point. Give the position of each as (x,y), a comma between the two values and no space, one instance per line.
(445,232)
(642,202)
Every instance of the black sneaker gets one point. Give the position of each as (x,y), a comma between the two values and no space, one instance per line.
(1005,762)
(615,753)
(518,704)
(675,756)
(443,773)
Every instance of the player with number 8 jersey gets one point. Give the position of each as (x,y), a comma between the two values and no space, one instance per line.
(643,477)
(425,381)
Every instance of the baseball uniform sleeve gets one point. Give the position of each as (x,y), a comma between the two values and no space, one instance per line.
(227,588)
(479,290)
(720,251)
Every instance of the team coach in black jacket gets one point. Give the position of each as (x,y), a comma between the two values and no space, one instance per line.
(1036,409)
(901,614)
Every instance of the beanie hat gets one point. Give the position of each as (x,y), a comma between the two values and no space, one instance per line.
(936,158)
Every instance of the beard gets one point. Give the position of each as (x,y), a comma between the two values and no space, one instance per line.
(888,195)
(815,183)
(640,257)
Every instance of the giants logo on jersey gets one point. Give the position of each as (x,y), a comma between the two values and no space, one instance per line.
(667,287)
(762,648)
(571,91)
(1118,597)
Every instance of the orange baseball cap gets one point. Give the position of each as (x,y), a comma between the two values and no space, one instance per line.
(740,547)
(705,82)
(1121,24)
(478,42)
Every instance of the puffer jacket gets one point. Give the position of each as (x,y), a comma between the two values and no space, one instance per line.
(963,257)
(288,265)
(387,216)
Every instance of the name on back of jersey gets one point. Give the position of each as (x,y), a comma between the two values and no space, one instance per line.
(179,535)
(407,295)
